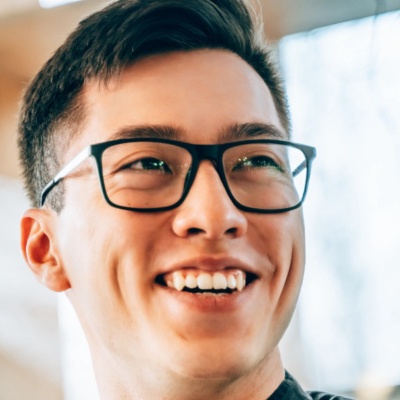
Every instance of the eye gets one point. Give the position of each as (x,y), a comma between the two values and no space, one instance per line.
(148,164)
(246,163)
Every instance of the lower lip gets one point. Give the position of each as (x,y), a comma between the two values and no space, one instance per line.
(209,302)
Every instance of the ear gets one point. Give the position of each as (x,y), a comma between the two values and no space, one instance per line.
(40,250)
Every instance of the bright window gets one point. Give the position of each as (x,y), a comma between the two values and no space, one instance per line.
(55,3)
(344,89)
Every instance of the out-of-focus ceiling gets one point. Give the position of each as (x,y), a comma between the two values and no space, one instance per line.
(29,34)
(9,7)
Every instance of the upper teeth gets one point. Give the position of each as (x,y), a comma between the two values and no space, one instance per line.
(233,279)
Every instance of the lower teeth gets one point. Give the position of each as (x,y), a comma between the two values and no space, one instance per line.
(209,292)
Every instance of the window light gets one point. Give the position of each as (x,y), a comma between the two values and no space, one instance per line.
(55,3)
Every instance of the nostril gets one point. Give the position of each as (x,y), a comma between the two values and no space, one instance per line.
(232,231)
(194,231)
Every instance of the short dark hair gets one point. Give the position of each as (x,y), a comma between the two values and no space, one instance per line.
(103,45)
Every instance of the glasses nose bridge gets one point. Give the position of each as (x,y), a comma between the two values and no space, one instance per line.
(214,154)
(211,152)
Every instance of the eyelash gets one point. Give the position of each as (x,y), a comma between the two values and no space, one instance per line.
(154,162)
(270,161)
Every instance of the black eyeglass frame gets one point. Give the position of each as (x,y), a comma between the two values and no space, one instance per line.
(199,152)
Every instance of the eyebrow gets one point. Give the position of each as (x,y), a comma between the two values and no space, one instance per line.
(252,130)
(229,133)
(148,131)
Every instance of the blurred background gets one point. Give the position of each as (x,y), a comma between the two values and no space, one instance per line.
(341,63)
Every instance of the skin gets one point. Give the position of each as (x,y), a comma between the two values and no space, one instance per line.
(148,341)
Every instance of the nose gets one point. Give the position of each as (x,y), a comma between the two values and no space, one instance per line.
(207,210)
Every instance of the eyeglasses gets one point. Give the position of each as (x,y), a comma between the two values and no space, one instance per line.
(149,174)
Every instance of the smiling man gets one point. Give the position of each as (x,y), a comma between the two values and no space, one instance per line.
(167,199)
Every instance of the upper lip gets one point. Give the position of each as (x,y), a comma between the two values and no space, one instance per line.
(210,263)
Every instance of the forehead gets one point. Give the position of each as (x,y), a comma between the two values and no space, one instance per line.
(201,94)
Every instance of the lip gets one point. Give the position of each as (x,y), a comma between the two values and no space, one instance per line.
(210,263)
(206,303)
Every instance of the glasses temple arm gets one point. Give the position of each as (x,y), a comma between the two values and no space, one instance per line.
(299,168)
(86,152)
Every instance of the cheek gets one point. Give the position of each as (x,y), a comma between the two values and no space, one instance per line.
(111,249)
(281,242)
(289,275)
(280,237)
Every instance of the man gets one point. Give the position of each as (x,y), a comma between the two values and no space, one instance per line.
(167,199)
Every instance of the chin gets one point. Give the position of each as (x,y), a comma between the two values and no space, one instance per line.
(219,361)
(216,370)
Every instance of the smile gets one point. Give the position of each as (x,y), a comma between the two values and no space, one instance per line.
(201,282)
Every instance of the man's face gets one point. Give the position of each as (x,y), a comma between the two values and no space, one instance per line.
(118,261)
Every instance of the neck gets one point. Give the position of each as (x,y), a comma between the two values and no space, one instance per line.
(119,380)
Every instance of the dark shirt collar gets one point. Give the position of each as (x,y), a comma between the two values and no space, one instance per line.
(289,389)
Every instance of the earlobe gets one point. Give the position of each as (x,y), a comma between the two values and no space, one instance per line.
(40,251)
